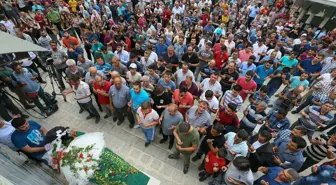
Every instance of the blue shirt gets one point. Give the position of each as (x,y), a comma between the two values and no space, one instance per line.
(210,29)
(324,175)
(161,49)
(257,97)
(240,148)
(170,84)
(74,55)
(287,62)
(245,67)
(290,159)
(33,137)
(275,123)
(272,173)
(138,99)
(26,77)
(309,67)
(262,73)
(105,68)
(254,11)
(295,81)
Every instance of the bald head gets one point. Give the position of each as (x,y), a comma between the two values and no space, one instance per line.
(93,70)
(299,89)
(172,109)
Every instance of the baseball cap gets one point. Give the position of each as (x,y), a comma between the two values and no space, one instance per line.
(184,127)
(134,66)
(304,35)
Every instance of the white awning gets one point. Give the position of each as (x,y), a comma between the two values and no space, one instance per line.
(12,44)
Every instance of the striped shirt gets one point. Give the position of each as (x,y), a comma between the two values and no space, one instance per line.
(330,63)
(202,120)
(253,117)
(315,116)
(228,98)
(318,152)
(259,99)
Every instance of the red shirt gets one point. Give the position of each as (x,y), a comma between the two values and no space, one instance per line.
(188,99)
(72,39)
(205,18)
(220,59)
(217,47)
(129,45)
(39,19)
(166,15)
(228,119)
(243,56)
(103,99)
(251,85)
(214,161)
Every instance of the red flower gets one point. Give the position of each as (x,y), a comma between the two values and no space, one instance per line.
(89,155)
(88,160)
(113,173)
(131,170)
(86,169)
(81,156)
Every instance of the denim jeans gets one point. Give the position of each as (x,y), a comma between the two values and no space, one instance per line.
(149,134)
(44,98)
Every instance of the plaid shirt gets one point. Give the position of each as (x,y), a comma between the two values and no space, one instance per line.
(257,97)
(275,123)
(324,88)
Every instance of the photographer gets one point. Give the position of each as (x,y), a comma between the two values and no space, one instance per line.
(27,79)
(59,58)
(7,79)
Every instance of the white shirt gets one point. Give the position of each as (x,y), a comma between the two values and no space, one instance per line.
(296,41)
(148,118)
(5,135)
(27,61)
(229,46)
(258,50)
(83,90)
(278,56)
(145,63)
(213,103)
(257,145)
(123,56)
(153,56)
(178,10)
(182,76)
(216,87)
(10,26)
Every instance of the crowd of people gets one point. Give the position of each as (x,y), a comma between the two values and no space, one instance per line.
(172,66)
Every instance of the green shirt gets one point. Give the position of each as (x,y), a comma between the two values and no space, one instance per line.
(189,139)
(53,17)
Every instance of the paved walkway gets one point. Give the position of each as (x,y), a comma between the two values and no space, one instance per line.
(127,143)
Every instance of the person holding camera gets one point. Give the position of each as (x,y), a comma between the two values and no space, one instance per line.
(26,79)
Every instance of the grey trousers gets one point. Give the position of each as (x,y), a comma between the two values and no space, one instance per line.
(186,156)
(106,109)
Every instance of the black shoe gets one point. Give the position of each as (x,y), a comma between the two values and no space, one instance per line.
(131,126)
(115,119)
(106,116)
(81,110)
(28,106)
(294,112)
(200,167)
(170,146)
(185,169)
(89,117)
(215,175)
(147,144)
(196,157)
(172,156)
(97,120)
(120,122)
(202,173)
(163,140)
(202,178)
(100,109)
(43,82)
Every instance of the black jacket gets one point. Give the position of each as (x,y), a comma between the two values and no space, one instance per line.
(263,156)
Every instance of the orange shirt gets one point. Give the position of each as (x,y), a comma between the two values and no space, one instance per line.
(70,39)
(188,100)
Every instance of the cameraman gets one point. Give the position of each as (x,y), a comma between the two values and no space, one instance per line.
(59,58)
(27,79)
(7,79)
(6,105)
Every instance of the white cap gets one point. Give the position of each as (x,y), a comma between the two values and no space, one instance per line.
(134,66)
(304,35)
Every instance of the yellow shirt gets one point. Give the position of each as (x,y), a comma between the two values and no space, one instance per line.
(225,19)
(73,5)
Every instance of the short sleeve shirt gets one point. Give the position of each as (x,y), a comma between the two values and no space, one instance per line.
(147,118)
(188,140)
(83,90)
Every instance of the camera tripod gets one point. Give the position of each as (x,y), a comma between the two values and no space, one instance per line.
(53,77)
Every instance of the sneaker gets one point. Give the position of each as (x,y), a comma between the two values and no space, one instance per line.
(89,117)
(172,156)
(97,120)
(136,126)
(106,116)
(80,111)
(170,146)
(185,169)
(147,144)
(196,157)
(294,112)
(163,140)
